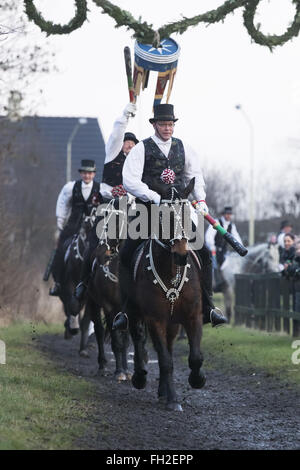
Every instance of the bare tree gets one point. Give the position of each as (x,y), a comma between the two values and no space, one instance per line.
(22,60)
(225,187)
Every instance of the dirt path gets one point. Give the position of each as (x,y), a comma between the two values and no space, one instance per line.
(235,409)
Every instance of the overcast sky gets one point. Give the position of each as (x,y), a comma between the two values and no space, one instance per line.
(219,67)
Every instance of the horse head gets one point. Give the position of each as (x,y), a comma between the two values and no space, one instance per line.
(111,223)
(175,220)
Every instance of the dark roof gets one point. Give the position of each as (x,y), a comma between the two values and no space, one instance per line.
(35,151)
(52,134)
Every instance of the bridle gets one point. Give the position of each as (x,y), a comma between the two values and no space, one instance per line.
(177,204)
(172,294)
(109,212)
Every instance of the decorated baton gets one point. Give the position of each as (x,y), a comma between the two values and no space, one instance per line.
(238,247)
(127,57)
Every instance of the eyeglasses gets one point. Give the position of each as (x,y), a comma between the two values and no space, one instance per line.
(166,124)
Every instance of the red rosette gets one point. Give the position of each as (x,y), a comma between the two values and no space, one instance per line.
(96,199)
(118,191)
(168,176)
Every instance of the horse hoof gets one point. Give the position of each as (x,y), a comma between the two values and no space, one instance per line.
(128,375)
(139,380)
(120,376)
(197,381)
(84,353)
(67,334)
(173,407)
(74,331)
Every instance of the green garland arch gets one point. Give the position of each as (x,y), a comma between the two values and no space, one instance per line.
(50,28)
(145,33)
(270,40)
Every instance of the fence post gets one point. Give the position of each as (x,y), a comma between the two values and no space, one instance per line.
(296,307)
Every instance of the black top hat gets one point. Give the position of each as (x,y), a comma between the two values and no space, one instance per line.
(163,112)
(227,210)
(87,165)
(130,136)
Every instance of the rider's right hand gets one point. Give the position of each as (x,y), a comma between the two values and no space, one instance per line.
(130,110)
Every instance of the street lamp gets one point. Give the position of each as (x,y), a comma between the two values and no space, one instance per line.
(80,122)
(251,203)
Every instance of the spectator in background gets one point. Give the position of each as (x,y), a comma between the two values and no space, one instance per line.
(218,246)
(288,253)
(285,227)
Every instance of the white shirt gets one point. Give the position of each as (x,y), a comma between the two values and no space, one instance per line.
(113,148)
(211,233)
(280,239)
(64,201)
(134,166)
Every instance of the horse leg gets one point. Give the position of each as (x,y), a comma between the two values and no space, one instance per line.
(72,323)
(162,341)
(117,348)
(93,311)
(84,327)
(125,344)
(182,334)
(194,332)
(137,331)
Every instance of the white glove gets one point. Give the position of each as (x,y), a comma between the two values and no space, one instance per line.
(201,206)
(60,223)
(156,199)
(130,110)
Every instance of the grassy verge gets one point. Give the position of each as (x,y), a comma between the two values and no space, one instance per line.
(40,407)
(252,349)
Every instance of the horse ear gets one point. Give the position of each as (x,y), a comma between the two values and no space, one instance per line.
(189,188)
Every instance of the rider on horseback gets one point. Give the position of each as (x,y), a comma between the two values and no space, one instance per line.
(76,199)
(149,163)
(117,148)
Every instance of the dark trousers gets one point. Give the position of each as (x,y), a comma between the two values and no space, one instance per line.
(58,262)
(92,243)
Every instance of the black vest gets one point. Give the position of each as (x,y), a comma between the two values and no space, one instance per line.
(156,162)
(80,207)
(112,172)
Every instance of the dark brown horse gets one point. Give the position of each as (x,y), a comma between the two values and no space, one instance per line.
(74,249)
(104,293)
(167,293)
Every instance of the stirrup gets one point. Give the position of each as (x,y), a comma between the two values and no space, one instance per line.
(120,322)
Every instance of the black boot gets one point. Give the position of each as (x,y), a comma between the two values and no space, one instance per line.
(120,322)
(57,273)
(210,312)
(55,290)
(217,318)
(85,276)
